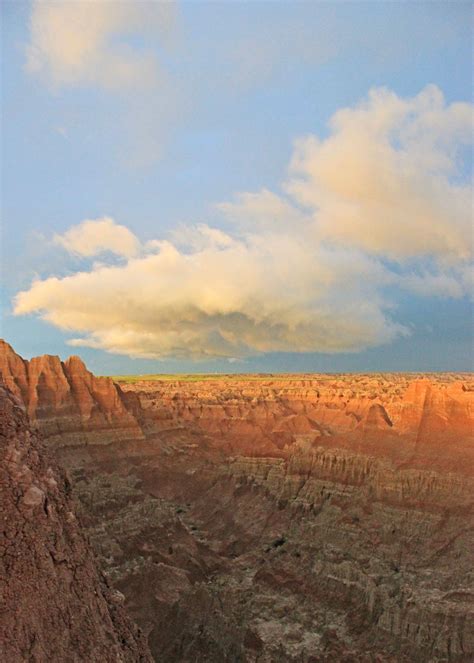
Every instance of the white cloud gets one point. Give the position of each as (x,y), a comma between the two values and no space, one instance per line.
(262,210)
(95,236)
(451,283)
(305,273)
(88,42)
(225,299)
(440,285)
(385,178)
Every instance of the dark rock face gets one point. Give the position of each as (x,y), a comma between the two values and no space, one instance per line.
(57,606)
(67,402)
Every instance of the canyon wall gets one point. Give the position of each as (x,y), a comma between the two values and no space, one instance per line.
(57,605)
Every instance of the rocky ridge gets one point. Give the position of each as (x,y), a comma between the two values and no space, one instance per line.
(67,402)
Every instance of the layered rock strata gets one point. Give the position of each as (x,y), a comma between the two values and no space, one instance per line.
(289,518)
(56,604)
(68,403)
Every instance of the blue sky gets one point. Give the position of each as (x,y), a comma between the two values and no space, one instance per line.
(211,103)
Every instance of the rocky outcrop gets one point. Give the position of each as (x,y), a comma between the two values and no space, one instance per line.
(68,403)
(375,419)
(57,605)
(291,519)
(429,411)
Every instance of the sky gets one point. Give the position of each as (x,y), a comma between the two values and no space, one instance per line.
(238,186)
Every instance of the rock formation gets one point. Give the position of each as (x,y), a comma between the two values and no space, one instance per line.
(56,605)
(340,509)
(67,402)
(283,518)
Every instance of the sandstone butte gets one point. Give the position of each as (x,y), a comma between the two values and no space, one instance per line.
(263,519)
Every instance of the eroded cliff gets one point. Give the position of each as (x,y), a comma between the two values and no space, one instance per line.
(68,403)
(56,604)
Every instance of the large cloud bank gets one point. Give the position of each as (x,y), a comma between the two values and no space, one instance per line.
(380,203)
(386,179)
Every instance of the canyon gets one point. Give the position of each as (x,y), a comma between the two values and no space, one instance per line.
(273,518)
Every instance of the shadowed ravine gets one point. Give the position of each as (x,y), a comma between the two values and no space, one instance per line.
(286,518)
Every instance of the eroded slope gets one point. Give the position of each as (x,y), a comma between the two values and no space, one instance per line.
(56,604)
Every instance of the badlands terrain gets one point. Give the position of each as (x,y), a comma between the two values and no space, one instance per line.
(283,518)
